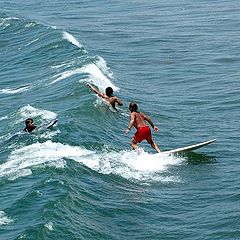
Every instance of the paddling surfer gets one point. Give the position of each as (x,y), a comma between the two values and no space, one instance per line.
(107,96)
(138,120)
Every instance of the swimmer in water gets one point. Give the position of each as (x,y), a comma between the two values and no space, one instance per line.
(29,125)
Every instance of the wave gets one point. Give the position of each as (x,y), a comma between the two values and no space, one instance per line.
(71,39)
(30,111)
(144,167)
(96,76)
(46,47)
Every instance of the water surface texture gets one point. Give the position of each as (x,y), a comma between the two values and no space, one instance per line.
(179,60)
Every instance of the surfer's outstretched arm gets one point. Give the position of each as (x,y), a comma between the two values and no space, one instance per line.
(95,90)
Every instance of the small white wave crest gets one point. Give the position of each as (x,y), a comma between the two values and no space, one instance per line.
(49,226)
(67,74)
(14,90)
(30,111)
(97,77)
(4,220)
(70,38)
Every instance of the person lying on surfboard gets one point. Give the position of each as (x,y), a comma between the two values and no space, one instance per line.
(137,120)
(29,125)
(108,96)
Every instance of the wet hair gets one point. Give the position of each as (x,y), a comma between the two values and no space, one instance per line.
(109,91)
(27,121)
(133,107)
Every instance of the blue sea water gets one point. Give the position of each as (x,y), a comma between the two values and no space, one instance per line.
(179,60)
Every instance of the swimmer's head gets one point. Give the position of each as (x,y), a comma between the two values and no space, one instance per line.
(109,91)
(28,121)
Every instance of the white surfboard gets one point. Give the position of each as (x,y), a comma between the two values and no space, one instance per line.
(188,148)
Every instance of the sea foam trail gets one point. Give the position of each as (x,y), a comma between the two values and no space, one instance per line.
(127,164)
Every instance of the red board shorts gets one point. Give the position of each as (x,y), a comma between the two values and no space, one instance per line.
(143,133)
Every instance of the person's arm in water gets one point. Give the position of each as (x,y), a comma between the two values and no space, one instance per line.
(95,90)
(148,119)
(131,123)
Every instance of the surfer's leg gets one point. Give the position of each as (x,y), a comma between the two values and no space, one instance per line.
(134,144)
(154,145)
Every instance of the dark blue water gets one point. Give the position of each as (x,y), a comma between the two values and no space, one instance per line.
(80,180)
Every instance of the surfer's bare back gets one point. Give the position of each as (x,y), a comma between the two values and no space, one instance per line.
(107,96)
(137,120)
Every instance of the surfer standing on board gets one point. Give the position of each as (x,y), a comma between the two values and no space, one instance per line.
(137,119)
(108,96)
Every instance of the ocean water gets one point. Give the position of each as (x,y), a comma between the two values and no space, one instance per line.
(179,60)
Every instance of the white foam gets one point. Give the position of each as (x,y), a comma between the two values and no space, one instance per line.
(4,220)
(30,111)
(12,18)
(71,39)
(33,41)
(49,134)
(64,64)
(20,173)
(144,167)
(102,64)
(97,77)
(14,90)
(2,22)
(67,74)
(29,25)
(102,103)
(49,226)
(2,118)
(21,161)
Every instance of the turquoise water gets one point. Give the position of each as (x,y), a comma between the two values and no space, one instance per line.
(80,179)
